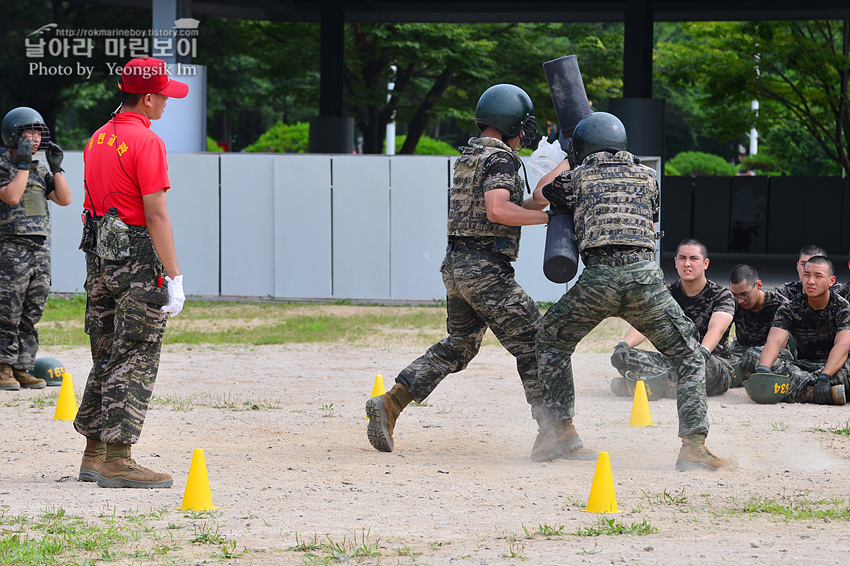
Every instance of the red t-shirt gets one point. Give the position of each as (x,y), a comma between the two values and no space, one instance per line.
(124,160)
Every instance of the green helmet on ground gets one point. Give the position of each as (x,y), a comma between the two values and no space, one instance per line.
(599,131)
(50,370)
(656,384)
(767,388)
(17,121)
(508,109)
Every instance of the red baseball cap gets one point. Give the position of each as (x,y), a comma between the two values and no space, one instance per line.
(146,75)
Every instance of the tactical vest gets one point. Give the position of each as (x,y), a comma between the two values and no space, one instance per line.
(31,216)
(467,210)
(615,201)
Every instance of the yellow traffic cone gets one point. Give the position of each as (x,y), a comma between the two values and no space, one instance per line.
(197,496)
(66,405)
(640,407)
(602,498)
(378,388)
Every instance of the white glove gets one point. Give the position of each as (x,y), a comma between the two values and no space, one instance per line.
(176,298)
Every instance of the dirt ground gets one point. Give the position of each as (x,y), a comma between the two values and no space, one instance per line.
(460,487)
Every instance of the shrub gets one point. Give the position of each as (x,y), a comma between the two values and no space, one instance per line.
(426,146)
(283,138)
(699,163)
(671,171)
(212,145)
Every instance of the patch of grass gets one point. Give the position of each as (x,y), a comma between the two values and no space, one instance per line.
(779,425)
(333,552)
(516,549)
(667,498)
(605,526)
(796,508)
(842,429)
(273,322)
(328,410)
(208,534)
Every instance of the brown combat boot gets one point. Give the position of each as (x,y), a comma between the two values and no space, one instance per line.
(27,380)
(694,455)
(7,379)
(837,393)
(383,411)
(562,442)
(93,458)
(544,429)
(120,470)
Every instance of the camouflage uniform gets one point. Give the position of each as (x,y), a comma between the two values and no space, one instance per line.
(480,288)
(814,331)
(125,325)
(791,290)
(24,264)
(843,290)
(699,308)
(615,202)
(751,329)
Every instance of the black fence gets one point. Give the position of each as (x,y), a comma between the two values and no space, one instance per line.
(760,215)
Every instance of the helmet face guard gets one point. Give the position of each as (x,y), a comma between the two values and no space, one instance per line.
(529,134)
(20,120)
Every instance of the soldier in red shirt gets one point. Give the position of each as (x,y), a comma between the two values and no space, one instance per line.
(133,279)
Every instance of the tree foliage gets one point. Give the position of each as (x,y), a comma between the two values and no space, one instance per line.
(798,71)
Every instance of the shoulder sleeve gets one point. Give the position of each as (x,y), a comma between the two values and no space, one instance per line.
(843,315)
(6,172)
(151,165)
(724,302)
(784,317)
(498,172)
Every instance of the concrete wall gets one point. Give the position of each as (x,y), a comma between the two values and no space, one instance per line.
(303,227)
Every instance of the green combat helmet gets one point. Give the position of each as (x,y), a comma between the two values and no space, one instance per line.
(767,388)
(509,110)
(599,131)
(50,370)
(656,384)
(17,121)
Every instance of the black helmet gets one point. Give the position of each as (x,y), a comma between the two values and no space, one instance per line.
(20,119)
(509,110)
(599,131)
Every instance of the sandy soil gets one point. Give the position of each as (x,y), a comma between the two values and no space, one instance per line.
(460,486)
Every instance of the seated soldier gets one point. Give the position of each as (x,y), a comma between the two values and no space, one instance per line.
(754,311)
(708,305)
(820,322)
(794,289)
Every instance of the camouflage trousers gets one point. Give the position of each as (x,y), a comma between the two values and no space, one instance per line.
(481,292)
(125,327)
(805,372)
(637,294)
(24,287)
(749,358)
(718,371)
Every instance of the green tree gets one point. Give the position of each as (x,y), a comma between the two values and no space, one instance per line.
(798,71)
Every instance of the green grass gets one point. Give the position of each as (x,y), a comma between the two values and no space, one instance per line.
(842,429)
(605,526)
(796,508)
(270,322)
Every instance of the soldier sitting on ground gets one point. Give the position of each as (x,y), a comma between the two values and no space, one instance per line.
(711,308)
(820,322)
(754,311)
(794,289)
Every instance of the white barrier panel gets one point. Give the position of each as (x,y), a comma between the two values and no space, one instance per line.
(247,225)
(302,226)
(361,230)
(418,212)
(68,263)
(193,206)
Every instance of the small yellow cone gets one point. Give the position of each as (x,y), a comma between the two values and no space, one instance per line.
(640,407)
(197,496)
(378,388)
(66,406)
(602,498)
